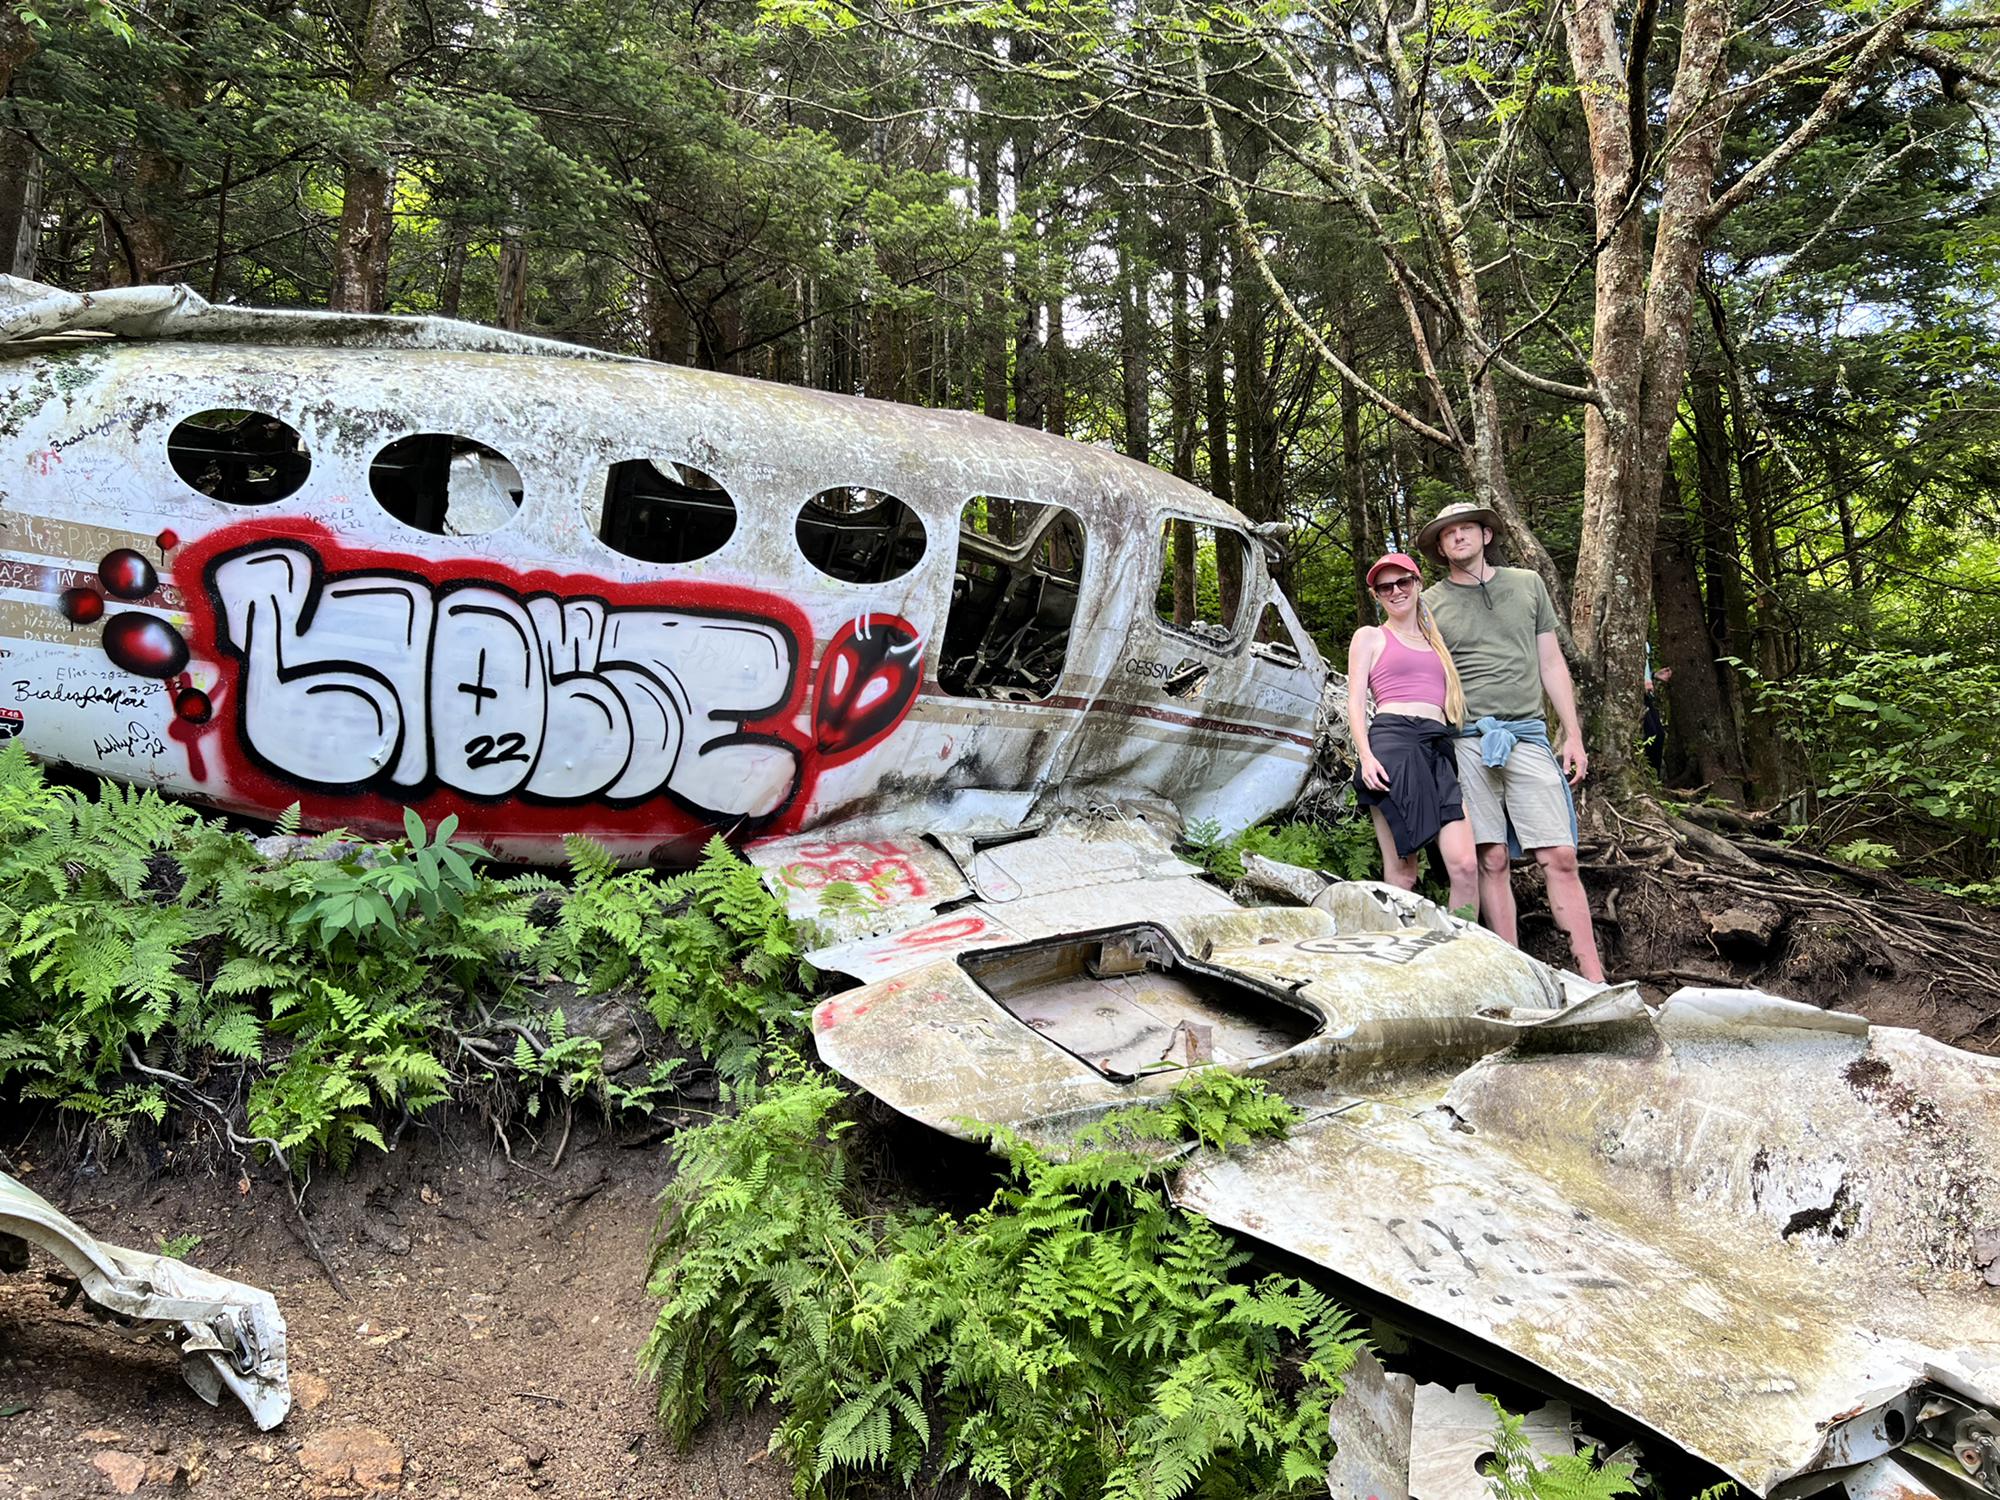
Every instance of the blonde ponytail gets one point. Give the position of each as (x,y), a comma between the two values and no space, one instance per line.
(1454,693)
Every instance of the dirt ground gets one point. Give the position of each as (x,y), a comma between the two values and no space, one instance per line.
(485,1345)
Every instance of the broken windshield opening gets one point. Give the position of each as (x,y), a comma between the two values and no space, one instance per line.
(1202,567)
(1276,641)
(1014,596)
(239,457)
(860,535)
(1127,1002)
(446,484)
(659,511)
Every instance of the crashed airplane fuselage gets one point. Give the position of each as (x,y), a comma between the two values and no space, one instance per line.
(358,564)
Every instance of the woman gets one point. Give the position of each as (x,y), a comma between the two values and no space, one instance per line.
(1408,779)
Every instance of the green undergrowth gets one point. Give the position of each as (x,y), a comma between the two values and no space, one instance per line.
(1345,850)
(1078,1336)
(1517,1472)
(156,962)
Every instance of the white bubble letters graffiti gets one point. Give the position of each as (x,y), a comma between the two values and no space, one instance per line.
(380,678)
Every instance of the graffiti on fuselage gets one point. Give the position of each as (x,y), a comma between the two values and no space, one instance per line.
(348,671)
(373,676)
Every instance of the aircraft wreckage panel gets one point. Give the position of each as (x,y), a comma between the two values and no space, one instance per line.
(1745,1223)
(230,1337)
(1736,1232)
(1029,1036)
(911,908)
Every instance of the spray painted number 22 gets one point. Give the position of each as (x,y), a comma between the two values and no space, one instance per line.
(485,750)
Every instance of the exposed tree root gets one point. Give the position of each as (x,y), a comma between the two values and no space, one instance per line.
(1795,921)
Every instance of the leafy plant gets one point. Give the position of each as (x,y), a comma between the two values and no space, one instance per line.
(179,1246)
(151,953)
(1345,850)
(1078,1336)
(1518,1472)
(712,950)
(1211,1108)
(1904,754)
(93,957)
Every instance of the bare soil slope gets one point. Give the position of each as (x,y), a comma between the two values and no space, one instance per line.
(485,1346)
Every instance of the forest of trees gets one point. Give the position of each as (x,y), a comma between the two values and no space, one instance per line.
(1698,295)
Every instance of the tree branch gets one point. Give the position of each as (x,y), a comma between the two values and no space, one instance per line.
(1885,42)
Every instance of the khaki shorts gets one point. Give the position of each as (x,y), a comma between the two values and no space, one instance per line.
(1530,789)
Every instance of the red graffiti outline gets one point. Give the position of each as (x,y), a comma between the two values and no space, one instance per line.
(253,786)
(845,644)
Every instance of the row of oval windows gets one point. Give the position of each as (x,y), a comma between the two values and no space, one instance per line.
(652,510)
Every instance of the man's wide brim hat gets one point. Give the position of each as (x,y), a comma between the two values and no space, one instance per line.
(1464,510)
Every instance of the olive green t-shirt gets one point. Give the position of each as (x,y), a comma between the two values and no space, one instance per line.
(1495,649)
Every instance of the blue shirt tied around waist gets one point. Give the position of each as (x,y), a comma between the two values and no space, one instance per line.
(1497,741)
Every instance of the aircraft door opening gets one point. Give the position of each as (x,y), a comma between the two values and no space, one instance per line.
(1014,596)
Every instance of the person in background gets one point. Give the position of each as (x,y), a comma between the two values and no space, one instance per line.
(1652,727)
(1500,626)
(1408,773)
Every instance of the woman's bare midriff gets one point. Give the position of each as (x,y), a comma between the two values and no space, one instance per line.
(1413,710)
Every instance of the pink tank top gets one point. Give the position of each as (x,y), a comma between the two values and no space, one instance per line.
(1403,674)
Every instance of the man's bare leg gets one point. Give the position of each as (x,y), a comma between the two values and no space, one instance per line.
(1496,892)
(1571,907)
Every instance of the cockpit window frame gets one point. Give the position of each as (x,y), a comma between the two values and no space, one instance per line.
(1237,633)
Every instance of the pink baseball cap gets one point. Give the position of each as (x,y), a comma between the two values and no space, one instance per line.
(1401,560)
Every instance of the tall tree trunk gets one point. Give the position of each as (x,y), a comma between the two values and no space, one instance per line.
(155,191)
(451,287)
(511,298)
(361,247)
(1180,385)
(20,204)
(1482,447)
(1699,720)
(1028,366)
(1132,341)
(1724,607)
(1055,371)
(18,43)
(1029,375)
(993,295)
(1362,538)
(1763,742)
(1840,482)
(1180,370)
(1182,533)
(1640,333)
(1215,362)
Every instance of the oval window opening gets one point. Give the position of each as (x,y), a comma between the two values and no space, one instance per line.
(659,511)
(446,484)
(860,535)
(239,457)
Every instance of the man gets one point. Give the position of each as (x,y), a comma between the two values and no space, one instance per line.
(1500,626)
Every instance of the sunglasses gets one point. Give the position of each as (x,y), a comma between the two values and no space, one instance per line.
(1394,586)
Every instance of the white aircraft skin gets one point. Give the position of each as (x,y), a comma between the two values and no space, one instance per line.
(288,639)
